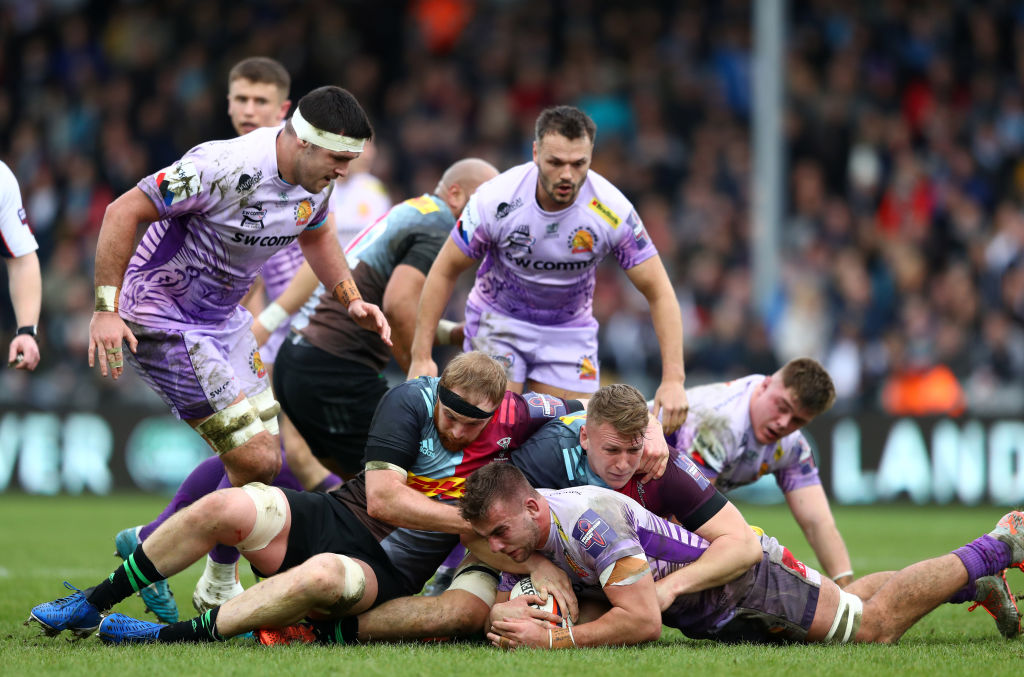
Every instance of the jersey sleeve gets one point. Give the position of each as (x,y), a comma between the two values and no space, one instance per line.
(179,189)
(16,238)
(684,491)
(421,248)
(526,413)
(634,246)
(801,471)
(470,234)
(606,536)
(551,459)
(394,435)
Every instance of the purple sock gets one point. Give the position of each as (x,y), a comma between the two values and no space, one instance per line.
(224,554)
(454,557)
(205,478)
(982,557)
(330,482)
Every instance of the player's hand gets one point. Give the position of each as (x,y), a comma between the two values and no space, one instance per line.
(24,353)
(550,580)
(520,608)
(666,596)
(260,332)
(369,316)
(107,331)
(671,405)
(419,368)
(516,632)
(655,457)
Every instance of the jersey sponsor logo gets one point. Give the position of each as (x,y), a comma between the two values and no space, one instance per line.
(447,487)
(247,182)
(547,404)
(576,568)
(693,471)
(521,239)
(539,264)
(468,221)
(506,208)
(551,230)
(506,360)
(639,233)
(256,364)
(303,212)
(219,389)
(608,215)
(23,216)
(427,448)
(178,182)
(252,217)
(422,204)
(582,241)
(586,366)
(593,533)
(264,241)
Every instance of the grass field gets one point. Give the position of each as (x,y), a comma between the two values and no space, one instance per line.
(44,541)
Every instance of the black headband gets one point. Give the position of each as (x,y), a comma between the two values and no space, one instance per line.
(460,406)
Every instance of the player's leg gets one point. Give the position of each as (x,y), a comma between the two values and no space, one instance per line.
(506,340)
(564,362)
(330,401)
(218,517)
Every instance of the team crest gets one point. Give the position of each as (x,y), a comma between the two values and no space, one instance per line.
(582,241)
(504,442)
(587,368)
(303,212)
(256,364)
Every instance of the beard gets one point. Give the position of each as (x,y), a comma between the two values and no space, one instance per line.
(448,441)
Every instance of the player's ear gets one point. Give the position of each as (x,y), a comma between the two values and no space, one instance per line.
(285,107)
(584,438)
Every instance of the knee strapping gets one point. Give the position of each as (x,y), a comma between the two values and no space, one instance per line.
(355,585)
(478,579)
(271,515)
(847,619)
(231,427)
(268,408)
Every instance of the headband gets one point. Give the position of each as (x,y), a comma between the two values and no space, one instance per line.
(454,402)
(328,140)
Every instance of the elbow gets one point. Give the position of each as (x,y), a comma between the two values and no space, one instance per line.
(752,552)
(649,630)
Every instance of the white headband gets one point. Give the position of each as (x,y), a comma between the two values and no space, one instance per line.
(328,140)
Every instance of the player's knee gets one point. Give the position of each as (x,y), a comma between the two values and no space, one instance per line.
(460,613)
(335,582)
(258,460)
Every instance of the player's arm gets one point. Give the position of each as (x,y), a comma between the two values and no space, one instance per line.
(113,251)
(734,548)
(437,290)
(650,278)
(322,251)
(809,506)
(26,288)
(401,300)
(390,499)
(634,616)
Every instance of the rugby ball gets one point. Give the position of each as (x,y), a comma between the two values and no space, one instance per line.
(525,587)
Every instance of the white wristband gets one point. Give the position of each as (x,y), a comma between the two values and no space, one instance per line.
(841,574)
(444,332)
(272,317)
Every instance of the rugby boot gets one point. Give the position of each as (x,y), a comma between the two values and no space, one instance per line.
(300,633)
(1010,530)
(121,629)
(218,584)
(995,596)
(73,613)
(157,597)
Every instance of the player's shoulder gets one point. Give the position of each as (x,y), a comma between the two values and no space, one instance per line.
(498,197)
(601,198)
(426,208)
(418,392)
(7,178)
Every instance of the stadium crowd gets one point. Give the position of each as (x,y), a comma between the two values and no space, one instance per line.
(903,237)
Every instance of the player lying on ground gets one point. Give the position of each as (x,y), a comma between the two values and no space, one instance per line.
(622,556)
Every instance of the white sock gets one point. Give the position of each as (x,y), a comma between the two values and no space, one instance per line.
(220,573)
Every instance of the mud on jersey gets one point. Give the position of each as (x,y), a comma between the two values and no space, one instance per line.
(224,210)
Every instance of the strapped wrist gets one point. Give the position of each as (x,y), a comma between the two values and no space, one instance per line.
(346,292)
(272,317)
(107,298)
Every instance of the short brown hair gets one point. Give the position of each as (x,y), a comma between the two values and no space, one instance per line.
(568,121)
(810,384)
(490,484)
(621,405)
(262,69)
(476,374)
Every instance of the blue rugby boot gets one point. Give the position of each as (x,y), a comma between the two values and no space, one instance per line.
(121,629)
(158,597)
(71,613)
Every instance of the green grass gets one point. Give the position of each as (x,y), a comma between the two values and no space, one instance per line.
(44,541)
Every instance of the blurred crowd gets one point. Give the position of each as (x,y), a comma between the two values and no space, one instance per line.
(903,239)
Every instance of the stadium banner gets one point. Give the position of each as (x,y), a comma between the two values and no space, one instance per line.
(862,458)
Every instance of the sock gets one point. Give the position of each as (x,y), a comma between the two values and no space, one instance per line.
(983,557)
(454,558)
(135,573)
(203,479)
(343,631)
(964,594)
(329,483)
(224,554)
(200,629)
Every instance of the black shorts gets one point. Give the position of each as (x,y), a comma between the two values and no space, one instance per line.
(331,401)
(321,523)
